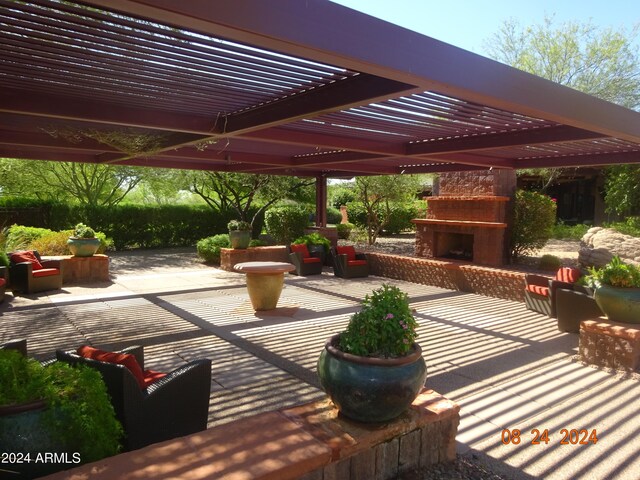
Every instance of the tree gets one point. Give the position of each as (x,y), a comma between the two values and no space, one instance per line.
(244,191)
(88,183)
(378,193)
(622,186)
(602,62)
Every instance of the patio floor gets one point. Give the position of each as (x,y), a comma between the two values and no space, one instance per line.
(507,367)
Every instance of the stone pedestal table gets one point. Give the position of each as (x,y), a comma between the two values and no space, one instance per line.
(264,282)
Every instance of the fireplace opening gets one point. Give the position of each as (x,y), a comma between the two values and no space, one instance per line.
(456,246)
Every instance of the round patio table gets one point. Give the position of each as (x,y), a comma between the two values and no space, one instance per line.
(264,282)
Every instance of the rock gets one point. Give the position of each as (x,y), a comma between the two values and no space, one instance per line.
(599,245)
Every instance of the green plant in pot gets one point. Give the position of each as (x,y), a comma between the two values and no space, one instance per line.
(55,409)
(617,290)
(374,369)
(83,242)
(317,244)
(239,234)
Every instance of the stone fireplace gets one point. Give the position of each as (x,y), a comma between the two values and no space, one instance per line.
(468,217)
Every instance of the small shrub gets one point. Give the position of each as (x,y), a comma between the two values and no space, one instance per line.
(344,230)
(333,216)
(257,243)
(314,238)
(54,243)
(569,232)
(549,262)
(631,226)
(533,221)
(209,248)
(20,237)
(286,222)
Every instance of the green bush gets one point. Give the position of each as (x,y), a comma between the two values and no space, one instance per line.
(534,217)
(54,243)
(631,226)
(569,232)
(20,237)
(333,216)
(344,230)
(314,238)
(284,223)
(549,262)
(257,243)
(209,248)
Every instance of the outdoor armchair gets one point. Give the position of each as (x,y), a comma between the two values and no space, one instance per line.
(3,282)
(574,306)
(30,274)
(347,263)
(305,263)
(170,406)
(539,293)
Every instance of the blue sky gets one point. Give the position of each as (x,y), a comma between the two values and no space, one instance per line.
(468,23)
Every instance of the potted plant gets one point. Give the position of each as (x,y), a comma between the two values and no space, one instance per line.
(83,241)
(317,244)
(374,369)
(239,234)
(55,409)
(617,290)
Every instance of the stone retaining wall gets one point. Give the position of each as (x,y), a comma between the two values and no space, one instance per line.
(464,277)
(610,344)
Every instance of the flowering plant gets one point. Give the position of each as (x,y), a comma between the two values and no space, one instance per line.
(384,327)
(615,273)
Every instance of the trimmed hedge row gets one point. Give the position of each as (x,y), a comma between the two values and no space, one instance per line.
(129,226)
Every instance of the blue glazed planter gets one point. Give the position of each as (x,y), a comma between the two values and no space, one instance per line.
(83,247)
(619,304)
(371,389)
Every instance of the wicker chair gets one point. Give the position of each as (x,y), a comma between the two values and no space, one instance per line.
(349,264)
(539,294)
(30,274)
(574,306)
(172,406)
(305,263)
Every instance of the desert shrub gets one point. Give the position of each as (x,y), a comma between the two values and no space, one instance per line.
(549,262)
(54,243)
(344,230)
(209,248)
(399,218)
(533,220)
(286,222)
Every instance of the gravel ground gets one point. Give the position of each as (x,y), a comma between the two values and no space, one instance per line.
(465,467)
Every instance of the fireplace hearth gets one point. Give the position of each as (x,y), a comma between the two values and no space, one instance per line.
(468,219)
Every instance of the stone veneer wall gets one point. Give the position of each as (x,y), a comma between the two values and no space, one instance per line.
(464,277)
(496,182)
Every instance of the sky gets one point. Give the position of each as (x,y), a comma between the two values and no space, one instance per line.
(469,23)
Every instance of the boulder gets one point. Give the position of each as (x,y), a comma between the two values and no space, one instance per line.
(599,245)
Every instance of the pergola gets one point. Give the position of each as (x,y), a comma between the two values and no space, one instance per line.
(285,87)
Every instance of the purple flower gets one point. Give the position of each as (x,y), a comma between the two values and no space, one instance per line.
(389,316)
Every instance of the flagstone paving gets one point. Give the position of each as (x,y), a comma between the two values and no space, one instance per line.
(507,367)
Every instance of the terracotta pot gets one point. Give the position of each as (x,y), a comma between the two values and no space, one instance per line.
(371,389)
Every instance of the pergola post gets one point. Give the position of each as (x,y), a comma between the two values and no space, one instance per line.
(321,201)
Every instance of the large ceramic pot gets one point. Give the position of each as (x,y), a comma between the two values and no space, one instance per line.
(83,247)
(239,239)
(371,389)
(619,304)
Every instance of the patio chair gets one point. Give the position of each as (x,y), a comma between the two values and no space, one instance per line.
(30,274)
(540,291)
(349,264)
(151,406)
(574,306)
(305,263)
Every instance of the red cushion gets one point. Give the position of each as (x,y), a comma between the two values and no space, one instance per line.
(538,290)
(126,359)
(45,272)
(301,248)
(311,260)
(2,282)
(354,263)
(26,256)
(151,376)
(568,274)
(349,251)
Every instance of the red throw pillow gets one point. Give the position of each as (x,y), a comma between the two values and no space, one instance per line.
(568,274)
(349,251)
(26,256)
(151,376)
(126,359)
(301,248)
